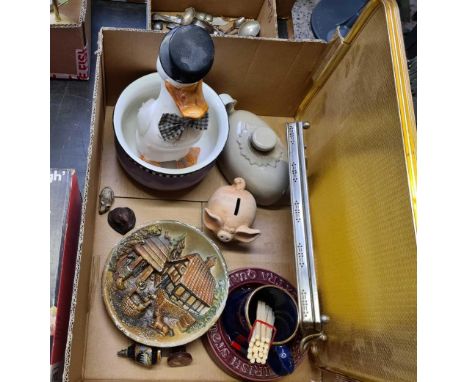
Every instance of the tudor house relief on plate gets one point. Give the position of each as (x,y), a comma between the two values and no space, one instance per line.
(154,288)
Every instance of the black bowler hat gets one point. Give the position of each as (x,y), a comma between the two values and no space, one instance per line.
(187,54)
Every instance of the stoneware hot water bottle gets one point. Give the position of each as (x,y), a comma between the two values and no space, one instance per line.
(254,151)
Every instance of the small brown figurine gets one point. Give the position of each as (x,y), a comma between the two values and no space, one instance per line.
(121,219)
(106,198)
(178,356)
(230,212)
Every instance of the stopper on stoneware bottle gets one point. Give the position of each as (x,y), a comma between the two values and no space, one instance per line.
(263,139)
(187,54)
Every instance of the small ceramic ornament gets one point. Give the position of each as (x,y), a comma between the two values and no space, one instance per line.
(178,357)
(146,356)
(255,152)
(230,213)
(106,198)
(170,126)
(121,219)
(150,355)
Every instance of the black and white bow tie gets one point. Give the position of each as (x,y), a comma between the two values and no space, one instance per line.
(171,126)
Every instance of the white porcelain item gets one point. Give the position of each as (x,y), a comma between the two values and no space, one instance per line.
(148,87)
(254,152)
(148,137)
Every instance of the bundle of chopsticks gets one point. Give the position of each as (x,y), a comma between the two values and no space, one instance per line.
(261,334)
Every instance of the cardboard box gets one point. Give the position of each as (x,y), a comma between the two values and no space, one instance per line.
(264,11)
(65,212)
(70,41)
(361,154)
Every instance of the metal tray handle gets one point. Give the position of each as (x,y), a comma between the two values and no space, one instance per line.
(310,319)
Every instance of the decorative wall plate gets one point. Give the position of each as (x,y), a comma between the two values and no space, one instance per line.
(218,339)
(165,284)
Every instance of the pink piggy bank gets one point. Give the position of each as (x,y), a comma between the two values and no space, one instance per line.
(230,212)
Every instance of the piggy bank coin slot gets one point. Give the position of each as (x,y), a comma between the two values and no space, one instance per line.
(236,210)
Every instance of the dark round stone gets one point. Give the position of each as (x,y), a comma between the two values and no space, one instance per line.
(178,359)
(187,54)
(121,219)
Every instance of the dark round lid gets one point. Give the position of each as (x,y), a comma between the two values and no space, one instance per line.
(187,54)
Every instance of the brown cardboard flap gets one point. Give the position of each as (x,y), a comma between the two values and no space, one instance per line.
(267,77)
(361,203)
(79,306)
(267,19)
(64,42)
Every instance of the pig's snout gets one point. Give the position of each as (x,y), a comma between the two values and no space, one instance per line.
(224,236)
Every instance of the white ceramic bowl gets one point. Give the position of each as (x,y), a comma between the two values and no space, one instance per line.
(125,124)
